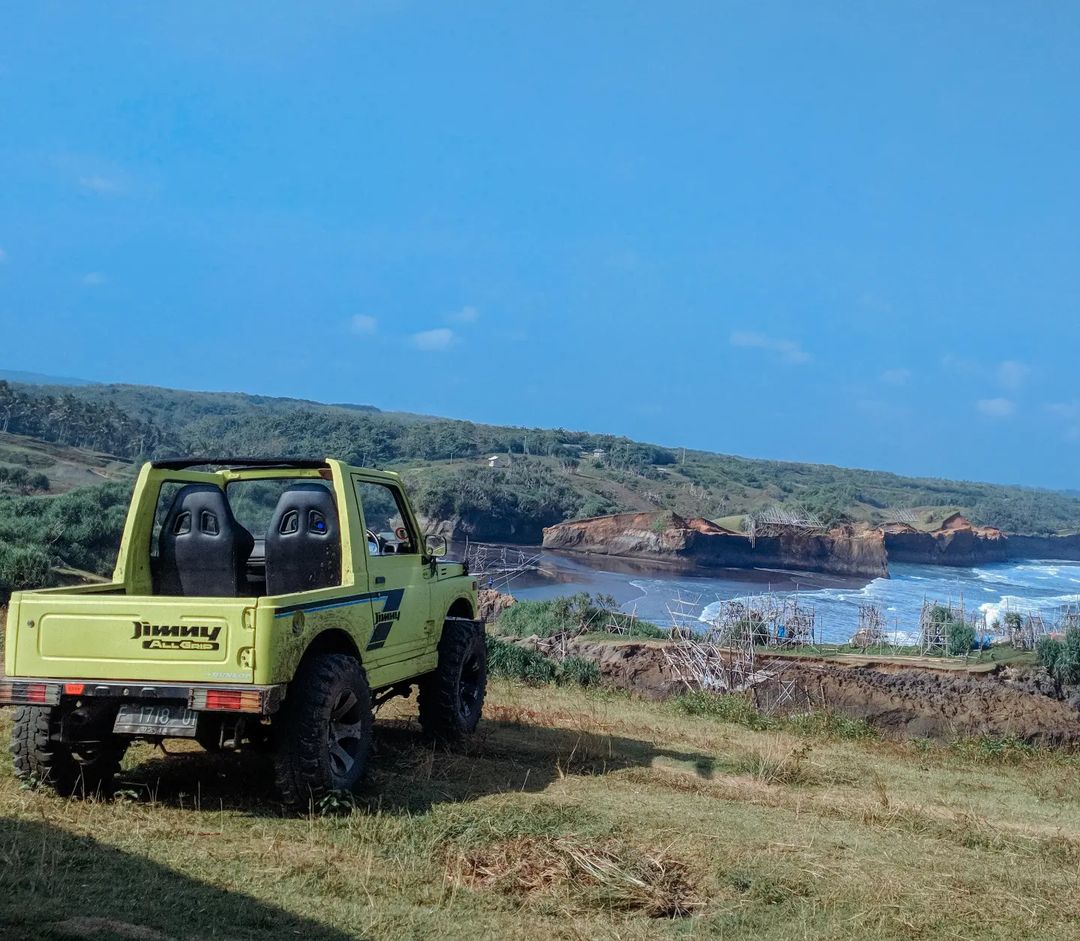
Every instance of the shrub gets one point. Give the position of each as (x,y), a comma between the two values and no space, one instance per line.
(1061,658)
(1069,665)
(1049,651)
(21,567)
(571,614)
(959,638)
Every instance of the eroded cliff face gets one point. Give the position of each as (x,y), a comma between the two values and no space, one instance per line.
(956,542)
(1043,547)
(665,537)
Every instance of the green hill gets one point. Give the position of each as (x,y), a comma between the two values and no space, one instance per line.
(89,433)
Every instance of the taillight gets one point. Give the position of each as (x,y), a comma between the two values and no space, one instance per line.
(14,693)
(227,700)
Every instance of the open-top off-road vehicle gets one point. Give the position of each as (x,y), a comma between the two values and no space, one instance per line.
(258,602)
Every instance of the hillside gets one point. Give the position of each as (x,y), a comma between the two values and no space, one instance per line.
(574,814)
(543,477)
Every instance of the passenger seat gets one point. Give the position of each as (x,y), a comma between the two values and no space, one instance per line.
(202,549)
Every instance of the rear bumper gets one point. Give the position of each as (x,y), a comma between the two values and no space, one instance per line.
(202,697)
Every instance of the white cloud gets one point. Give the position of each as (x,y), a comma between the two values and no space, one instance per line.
(996,408)
(102,185)
(896,377)
(789,351)
(1012,374)
(467,314)
(434,341)
(3,256)
(94,278)
(363,324)
(1068,413)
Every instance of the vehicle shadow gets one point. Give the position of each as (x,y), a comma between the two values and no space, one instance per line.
(409,773)
(56,885)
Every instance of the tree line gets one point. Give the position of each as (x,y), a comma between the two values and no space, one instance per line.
(68,419)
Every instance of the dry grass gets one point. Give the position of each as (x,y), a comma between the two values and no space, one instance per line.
(571,815)
(610,874)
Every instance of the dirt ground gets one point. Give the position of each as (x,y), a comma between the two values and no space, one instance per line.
(900,702)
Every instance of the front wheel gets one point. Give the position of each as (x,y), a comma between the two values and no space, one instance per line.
(323,732)
(70,768)
(452,697)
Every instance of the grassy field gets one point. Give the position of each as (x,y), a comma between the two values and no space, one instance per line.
(574,814)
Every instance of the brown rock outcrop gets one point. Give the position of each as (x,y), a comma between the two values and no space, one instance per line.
(666,537)
(956,542)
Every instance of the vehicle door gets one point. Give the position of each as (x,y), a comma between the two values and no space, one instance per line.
(398,579)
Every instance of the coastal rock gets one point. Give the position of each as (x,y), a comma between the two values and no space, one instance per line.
(667,537)
(956,542)
(1063,547)
(492,603)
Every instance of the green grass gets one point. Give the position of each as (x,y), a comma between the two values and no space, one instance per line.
(738,709)
(578,615)
(573,813)
(533,668)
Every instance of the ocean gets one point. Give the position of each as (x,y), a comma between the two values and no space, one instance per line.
(653,592)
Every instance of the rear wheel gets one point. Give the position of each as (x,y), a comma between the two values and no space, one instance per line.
(323,732)
(85,768)
(452,697)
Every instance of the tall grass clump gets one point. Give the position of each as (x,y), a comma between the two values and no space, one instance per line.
(533,668)
(724,707)
(519,663)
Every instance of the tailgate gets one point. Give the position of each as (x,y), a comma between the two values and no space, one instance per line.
(135,638)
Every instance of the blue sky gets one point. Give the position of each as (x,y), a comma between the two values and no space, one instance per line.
(838,232)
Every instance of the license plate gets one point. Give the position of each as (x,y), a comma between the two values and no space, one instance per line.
(172,721)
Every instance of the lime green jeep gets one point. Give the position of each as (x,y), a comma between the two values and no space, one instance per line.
(262,602)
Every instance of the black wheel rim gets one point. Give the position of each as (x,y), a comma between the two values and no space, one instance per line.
(472,675)
(345,734)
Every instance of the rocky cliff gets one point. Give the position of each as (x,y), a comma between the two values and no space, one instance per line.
(956,542)
(666,537)
(1043,547)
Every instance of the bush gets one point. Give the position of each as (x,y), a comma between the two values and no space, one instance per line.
(21,567)
(1061,658)
(1049,651)
(959,638)
(571,614)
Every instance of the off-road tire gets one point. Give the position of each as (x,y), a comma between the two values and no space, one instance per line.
(70,768)
(451,698)
(307,767)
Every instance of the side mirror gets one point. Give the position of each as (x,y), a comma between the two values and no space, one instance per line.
(435,546)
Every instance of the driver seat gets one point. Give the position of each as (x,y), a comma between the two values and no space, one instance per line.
(303,541)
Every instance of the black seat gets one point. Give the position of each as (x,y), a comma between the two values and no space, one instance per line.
(303,541)
(202,549)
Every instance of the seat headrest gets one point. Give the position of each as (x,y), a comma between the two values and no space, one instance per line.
(305,508)
(199,507)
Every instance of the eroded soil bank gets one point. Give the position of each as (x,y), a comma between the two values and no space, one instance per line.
(900,701)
